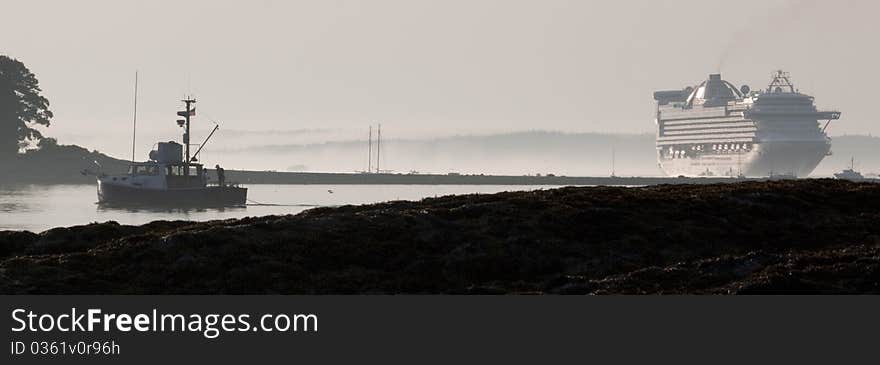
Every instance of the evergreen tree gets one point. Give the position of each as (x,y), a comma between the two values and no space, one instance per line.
(21,106)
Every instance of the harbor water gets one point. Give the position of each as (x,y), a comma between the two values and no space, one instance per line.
(38,208)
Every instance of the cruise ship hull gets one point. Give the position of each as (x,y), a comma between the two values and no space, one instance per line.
(797,158)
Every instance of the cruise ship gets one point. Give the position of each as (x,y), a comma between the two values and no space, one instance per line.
(717,129)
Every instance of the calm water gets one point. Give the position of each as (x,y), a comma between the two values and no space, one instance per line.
(37,207)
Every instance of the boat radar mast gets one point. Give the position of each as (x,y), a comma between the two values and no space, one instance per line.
(185,123)
(781,80)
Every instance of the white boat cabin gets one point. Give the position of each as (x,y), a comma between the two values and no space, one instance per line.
(166,170)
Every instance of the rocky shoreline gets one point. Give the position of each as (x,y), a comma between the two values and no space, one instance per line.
(774,237)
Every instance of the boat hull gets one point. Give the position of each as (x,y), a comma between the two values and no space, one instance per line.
(799,158)
(211,196)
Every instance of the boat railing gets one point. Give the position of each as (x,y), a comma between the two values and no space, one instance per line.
(233,184)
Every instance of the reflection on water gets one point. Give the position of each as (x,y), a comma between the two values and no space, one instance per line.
(163,210)
(11,207)
(41,207)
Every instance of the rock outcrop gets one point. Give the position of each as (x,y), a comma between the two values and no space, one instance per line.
(809,236)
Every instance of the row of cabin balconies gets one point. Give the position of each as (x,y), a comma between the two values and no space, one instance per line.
(687,151)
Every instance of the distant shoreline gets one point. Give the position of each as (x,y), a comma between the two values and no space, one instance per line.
(64,164)
(330,178)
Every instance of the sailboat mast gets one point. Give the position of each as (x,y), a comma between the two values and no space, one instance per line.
(135,121)
(370,155)
(378,147)
(613,162)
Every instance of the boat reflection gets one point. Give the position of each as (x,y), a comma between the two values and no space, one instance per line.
(167,210)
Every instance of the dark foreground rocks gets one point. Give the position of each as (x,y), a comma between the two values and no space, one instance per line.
(812,236)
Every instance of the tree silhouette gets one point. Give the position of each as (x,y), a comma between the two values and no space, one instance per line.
(21,106)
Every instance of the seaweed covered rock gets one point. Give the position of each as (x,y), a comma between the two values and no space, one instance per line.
(810,236)
(15,243)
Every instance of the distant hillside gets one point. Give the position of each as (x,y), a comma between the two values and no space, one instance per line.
(57,164)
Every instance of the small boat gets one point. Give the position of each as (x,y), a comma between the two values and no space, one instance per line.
(850,173)
(782,176)
(170,180)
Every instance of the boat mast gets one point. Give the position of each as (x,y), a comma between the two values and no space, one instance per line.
(135,122)
(378,147)
(370,155)
(613,162)
(187,114)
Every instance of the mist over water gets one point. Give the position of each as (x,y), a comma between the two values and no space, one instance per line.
(525,153)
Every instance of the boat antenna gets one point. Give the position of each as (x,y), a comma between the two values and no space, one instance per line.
(378,147)
(370,153)
(135,118)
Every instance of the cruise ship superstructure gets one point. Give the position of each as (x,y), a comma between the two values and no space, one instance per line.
(717,129)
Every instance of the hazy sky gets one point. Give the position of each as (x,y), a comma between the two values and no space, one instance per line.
(426,68)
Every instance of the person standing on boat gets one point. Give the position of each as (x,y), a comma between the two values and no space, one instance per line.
(221,175)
